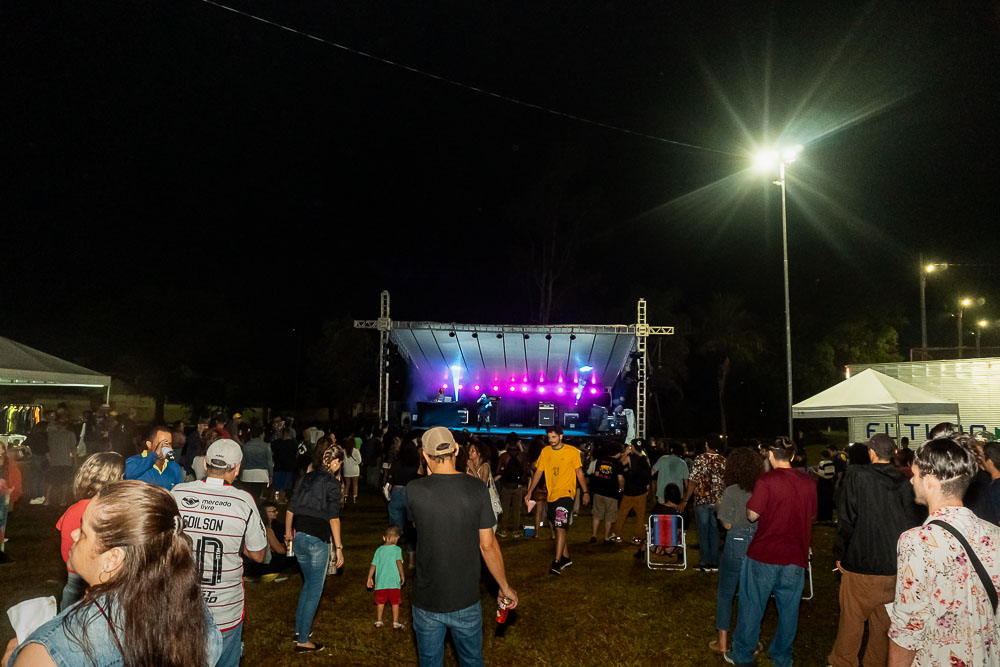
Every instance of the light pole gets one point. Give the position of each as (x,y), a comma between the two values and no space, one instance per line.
(925,270)
(962,305)
(982,324)
(766,160)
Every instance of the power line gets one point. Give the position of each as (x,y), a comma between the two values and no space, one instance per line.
(459,84)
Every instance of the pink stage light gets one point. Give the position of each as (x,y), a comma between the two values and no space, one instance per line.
(560,379)
(524,388)
(560,390)
(525,379)
(476,388)
(511,378)
(444,386)
(592,390)
(496,388)
(512,388)
(541,390)
(460,388)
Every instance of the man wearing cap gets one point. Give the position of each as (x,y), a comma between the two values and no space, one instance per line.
(152,464)
(453,513)
(875,507)
(563,470)
(222,521)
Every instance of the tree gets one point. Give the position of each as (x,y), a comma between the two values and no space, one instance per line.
(731,334)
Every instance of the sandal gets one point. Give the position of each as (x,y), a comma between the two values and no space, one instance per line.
(397,626)
(379,624)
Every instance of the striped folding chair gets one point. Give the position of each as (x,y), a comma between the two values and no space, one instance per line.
(666,531)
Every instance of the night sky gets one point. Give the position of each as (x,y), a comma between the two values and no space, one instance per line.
(178,175)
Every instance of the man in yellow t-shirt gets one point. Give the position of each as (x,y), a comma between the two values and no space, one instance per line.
(561,465)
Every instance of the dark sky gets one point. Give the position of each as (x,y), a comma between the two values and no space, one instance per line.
(177,174)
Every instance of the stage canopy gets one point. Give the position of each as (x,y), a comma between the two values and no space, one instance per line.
(547,362)
(21,365)
(869,394)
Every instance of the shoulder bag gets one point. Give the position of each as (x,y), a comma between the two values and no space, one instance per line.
(984,576)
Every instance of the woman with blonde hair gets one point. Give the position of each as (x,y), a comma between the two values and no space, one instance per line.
(143,605)
(96,472)
(312,521)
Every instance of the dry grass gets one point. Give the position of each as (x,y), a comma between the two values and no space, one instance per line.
(607,608)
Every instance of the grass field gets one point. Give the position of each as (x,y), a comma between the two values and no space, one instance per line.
(607,608)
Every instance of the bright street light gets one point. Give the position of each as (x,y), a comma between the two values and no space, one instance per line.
(962,305)
(766,161)
(982,324)
(925,269)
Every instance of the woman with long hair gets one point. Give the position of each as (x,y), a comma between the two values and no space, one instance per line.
(743,467)
(313,518)
(144,604)
(96,472)
(478,463)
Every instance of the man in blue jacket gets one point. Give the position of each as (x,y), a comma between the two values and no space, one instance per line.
(153,464)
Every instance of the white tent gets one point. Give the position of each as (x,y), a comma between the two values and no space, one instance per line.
(21,365)
(869,394)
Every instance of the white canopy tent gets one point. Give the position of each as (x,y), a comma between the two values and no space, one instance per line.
(23,366)
(871,394)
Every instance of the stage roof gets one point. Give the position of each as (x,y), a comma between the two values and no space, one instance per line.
(528,358)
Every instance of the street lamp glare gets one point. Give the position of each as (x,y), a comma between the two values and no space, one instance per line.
(930,268)
(966,302)
(765,160)
(790,153)
(982,324)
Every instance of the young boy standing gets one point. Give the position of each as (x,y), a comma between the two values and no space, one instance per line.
(386,576)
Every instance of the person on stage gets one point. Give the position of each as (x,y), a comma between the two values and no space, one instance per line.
(485,406)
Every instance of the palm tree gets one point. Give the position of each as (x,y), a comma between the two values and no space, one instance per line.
(730,334)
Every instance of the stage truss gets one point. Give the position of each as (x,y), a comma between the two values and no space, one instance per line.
(640,331)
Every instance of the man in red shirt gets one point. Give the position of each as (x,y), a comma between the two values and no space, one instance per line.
(783,504)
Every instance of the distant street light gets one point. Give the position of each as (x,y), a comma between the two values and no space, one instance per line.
(925,270)
(982,324)
(767,161)
(962,305)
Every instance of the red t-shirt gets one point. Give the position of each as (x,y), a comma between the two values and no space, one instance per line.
(68,522)
(785,499)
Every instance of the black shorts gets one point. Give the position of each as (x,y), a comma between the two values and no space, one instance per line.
(560,512)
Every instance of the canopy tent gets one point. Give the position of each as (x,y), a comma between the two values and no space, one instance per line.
(869,394)
(21,365)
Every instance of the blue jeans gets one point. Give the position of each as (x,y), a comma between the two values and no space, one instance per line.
(36,482)
(466,627)
(232,647)
(313,555)
(397,507)
(757,582)
(733,555)
(708,535)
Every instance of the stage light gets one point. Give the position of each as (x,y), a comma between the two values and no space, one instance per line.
(572,336)
(525,378)
(512,378)
(560,379)
(512,388)
(541,390)
(592,390)
(560,390)
(524,388)
(475,335)
(526,336)
(499,335)
(548,336)
(444,386)
(476,388)
(586,369)
(496,388)
(451,334)
(461,387)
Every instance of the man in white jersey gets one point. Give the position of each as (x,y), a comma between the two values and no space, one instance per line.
(222,521)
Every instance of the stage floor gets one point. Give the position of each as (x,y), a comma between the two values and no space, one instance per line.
(502,431)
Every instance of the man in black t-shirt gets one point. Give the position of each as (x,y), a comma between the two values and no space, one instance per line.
(453,513)
(606,485)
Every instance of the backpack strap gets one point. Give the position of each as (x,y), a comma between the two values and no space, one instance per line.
(991,590)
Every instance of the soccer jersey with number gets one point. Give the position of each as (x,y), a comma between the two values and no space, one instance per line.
(218,517)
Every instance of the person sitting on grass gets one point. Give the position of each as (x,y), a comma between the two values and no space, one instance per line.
(276,560)
(386,576)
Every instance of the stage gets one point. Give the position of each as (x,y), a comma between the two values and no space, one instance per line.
(523,432)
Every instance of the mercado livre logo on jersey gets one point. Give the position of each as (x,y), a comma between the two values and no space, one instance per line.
(189,502)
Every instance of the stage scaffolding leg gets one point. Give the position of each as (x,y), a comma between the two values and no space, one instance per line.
(641,332)
(384,325)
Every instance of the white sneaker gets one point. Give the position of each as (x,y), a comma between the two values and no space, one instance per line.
(37,501)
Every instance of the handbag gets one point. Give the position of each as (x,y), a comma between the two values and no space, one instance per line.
(984,577)
(494,496)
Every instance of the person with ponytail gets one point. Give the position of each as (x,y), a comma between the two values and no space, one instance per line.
(313,518)
(143,605)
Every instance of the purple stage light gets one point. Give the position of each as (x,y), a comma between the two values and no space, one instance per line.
(560,390)
(460,388)
(541,390)
(512,388)
(444,386)
(592,390)
(476,388)
(496,388)
(524,388)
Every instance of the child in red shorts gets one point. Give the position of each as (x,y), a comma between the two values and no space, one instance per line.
(386,576)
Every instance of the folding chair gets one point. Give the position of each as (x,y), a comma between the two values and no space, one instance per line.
(809,574)
(667,531)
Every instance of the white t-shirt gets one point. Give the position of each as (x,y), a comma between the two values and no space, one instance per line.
(217,518)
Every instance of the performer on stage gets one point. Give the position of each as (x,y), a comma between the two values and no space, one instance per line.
(485,406)
(440,396)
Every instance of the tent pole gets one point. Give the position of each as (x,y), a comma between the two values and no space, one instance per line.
(897,426)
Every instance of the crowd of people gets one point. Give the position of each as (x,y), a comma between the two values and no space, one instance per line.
(202,505)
